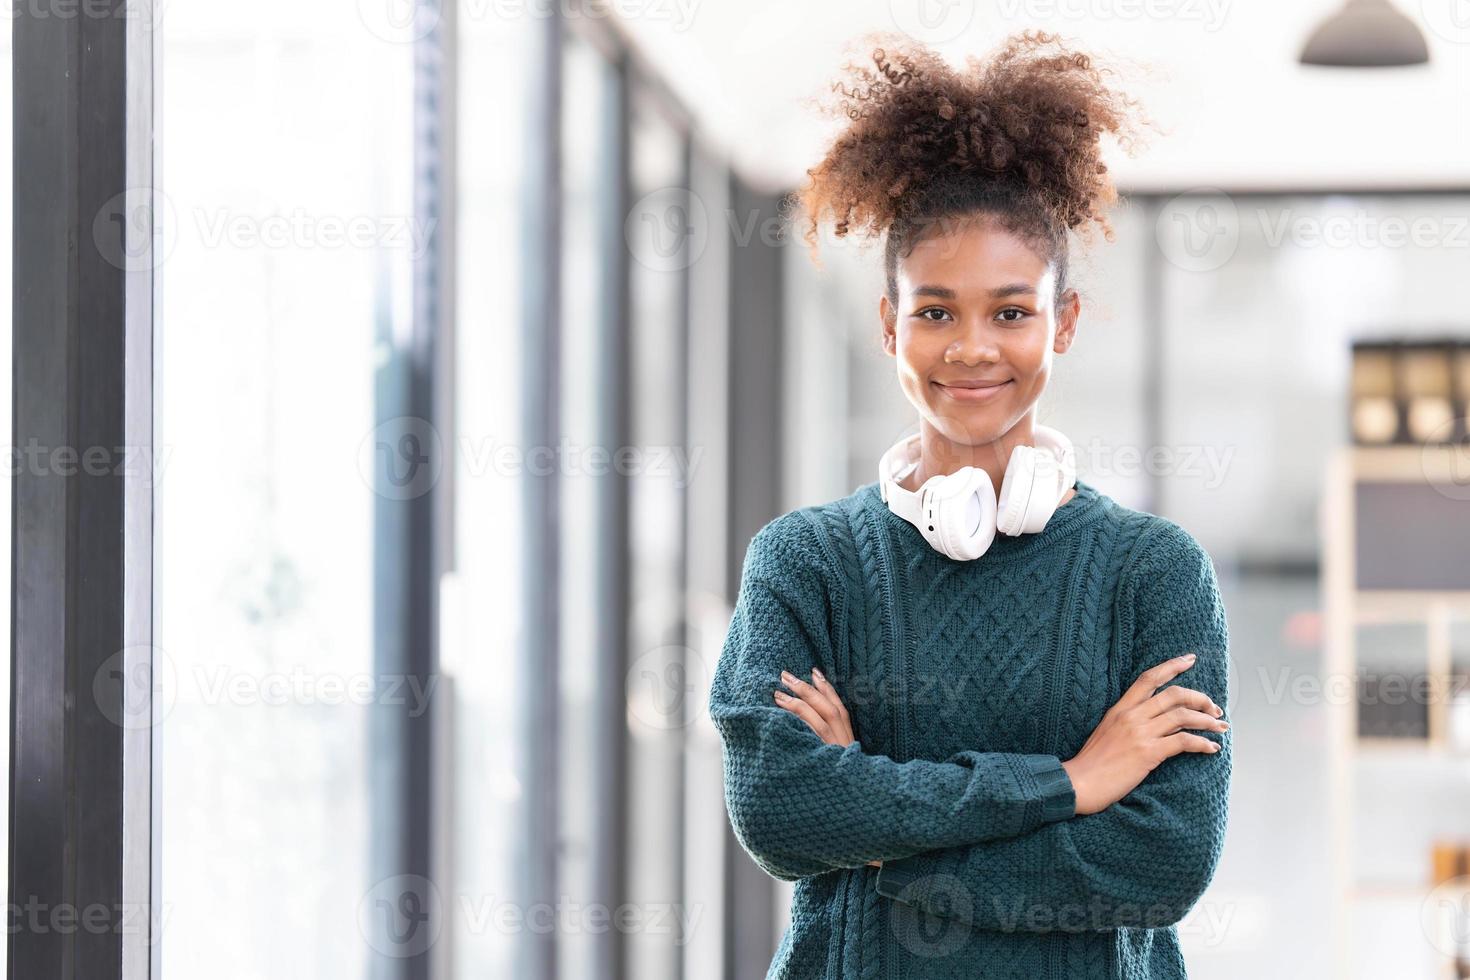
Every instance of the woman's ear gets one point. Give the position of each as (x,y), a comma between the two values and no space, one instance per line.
(888,319)
(1067,315)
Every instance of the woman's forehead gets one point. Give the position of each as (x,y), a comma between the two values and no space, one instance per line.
(977,256)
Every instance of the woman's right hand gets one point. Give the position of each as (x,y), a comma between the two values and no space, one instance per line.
(1139,732)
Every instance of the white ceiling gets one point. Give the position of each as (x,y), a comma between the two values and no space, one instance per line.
(1220,76)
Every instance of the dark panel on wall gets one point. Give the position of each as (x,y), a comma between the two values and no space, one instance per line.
(1412,536)
(755,370)
(755,498)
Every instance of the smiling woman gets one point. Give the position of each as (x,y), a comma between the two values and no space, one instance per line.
(967,748)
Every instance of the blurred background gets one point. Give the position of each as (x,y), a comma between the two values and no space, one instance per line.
(482,349)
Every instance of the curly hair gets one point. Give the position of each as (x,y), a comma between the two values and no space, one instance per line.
(1015,137)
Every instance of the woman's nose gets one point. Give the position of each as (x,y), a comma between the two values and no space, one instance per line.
(974,347)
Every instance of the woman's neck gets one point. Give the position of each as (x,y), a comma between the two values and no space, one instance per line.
(939,455)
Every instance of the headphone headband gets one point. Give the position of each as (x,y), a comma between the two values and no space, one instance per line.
(959,513)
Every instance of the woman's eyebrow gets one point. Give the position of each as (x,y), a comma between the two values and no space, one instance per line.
(999,292)
(942,292)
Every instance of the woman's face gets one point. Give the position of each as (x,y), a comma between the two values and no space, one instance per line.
(975,329)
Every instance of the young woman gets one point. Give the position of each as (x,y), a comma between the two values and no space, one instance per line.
(974,710)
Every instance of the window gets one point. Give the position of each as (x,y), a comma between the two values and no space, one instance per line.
(283,291)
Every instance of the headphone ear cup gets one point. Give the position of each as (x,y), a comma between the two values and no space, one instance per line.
(1046,490)
(1068,454)
(1032,488)
(1035,479)
(958,513)
(1016,491)
(1060,450)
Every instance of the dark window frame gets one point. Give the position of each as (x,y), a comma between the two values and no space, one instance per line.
(84,788)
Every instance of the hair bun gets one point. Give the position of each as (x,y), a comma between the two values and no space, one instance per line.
(1028,120)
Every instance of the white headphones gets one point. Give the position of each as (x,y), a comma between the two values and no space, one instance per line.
(958,513)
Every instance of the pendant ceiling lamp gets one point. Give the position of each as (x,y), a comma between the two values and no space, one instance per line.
(1366,34)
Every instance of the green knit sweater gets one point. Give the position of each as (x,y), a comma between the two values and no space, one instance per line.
(967,684)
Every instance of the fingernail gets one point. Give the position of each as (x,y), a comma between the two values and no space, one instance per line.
(1219,711)
(818,673)
(787,677)
(781,695)
(1187,657)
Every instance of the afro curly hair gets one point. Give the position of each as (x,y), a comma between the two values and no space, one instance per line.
(1014,137)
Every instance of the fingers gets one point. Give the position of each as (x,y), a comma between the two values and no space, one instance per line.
(827,707)
(1173,697)
(1188,742)
(1152,679)
(806,713)
(1183,716)
(818,705)
(825,686)
(1162,673)
(1142,690)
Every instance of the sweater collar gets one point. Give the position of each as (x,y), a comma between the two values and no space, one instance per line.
(1086,506)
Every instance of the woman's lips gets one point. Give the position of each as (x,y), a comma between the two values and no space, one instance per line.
(974,394)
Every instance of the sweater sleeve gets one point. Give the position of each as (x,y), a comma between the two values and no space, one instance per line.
(1144,861)
(801,806)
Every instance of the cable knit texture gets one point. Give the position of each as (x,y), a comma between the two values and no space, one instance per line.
(968,683)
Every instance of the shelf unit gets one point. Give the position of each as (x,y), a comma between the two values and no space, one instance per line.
(1347,608)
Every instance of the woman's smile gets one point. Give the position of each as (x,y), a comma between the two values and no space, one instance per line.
(969,392)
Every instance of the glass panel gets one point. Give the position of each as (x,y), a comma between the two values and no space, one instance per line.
(1279,716)
(1096,394)
(1261,299)
(589,197)
(656,703)
(483,601)
(706,822)
(828,314)
(285,163)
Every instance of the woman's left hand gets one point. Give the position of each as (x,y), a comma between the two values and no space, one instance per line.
(818,705)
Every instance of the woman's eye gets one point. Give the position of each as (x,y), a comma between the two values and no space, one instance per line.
(939,314)
(1020,313)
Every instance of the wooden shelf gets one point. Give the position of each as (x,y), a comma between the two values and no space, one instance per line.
(1409,890)
(1434,463)
(1407,605)
(1376,745)
(1346,609)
